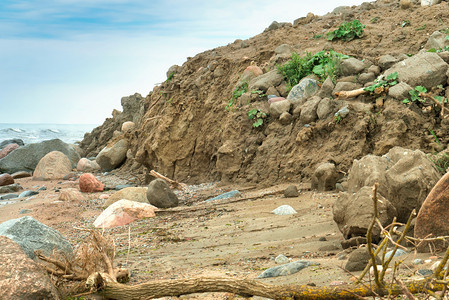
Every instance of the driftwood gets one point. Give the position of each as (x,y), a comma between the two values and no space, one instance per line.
(175,184)
(350,94)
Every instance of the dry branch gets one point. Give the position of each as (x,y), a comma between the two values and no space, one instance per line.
(350,94)
(175,184)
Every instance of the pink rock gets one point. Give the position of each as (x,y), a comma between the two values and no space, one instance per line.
(54,165)
(6,179)
(276,99)
(254,69)
(8,149)
(90,184)
(86,165)
(103,196)
(21,174)
(124,212)
(70,194)
(127,126)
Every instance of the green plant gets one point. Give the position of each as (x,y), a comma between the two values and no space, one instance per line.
(445,48)
(317,36)
(347,31)
(381,85)
(422,27)
(237,92)
(170,77)
(414,95)
(257,115)
(405,23)
(434,136)
(441,161)
(337,118)
(322,64)
(374,20)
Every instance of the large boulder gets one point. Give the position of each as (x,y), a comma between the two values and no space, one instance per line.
(405,177)
(353,213)
(90,184)
(437,40)
(325,177)
(87,165)
(20,276)
(32,235)
(4,143)
(160,195)
(279,107)
(113,155)
(305,89)
(351,66)
(426,69)
(54,165)
(8,149)
(27,157)
(138,194)
(6,179)
(265,81)
(432,220)
(124,212)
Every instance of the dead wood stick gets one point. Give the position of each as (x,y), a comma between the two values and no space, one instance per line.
(175,184)
(350,94)
(429,96)
(100,283)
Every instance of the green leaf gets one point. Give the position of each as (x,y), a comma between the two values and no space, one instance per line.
(392,76)
(433,50)
(406,101)
(421,89)
(258,123)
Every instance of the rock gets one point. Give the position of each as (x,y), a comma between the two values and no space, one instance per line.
(8,149)
(387,61)
(124,212)
(250,73)
(285,118)
(405,4)
(358,259)
(8,196)
(437,41)
(54,165)
(287,269)
(399,252)
(90,184)
(405,177)
(284,49)
(281,259)
(6,179)
(374,69)
(138,194)
(351,66)
(32,235)
(326,108)
(20,276)
(21,174)
(70,194)
(27,157)
(4,143)
(345,86)
(284,210)
(122,186)
(24,211)
(27,194)
(263,82)
(418,261)
(276,25)
(112,155)
(326,88)
(226,195)
(279,107)
(127,126)
(291,191)
(432,217)
(426,69)
(353,213)
(429,2)
(309,110)
(399,91)
(11,188)
(355,241)
(366,77)
(425,272)
(160,195)
(325,177)
(305,89)
(275,99)
(87,165)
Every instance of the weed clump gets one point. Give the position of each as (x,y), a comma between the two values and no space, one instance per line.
(347,31)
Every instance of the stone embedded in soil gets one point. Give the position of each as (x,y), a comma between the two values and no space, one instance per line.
(138,194)
(70,194)
(281,259)
(21,174)
(20,276)
(305,89)
(113,155)
(287,269)
(433,218)
(160,195)
(226,195)
(6,179)
(284,210)
(11,188)
(87,165)
(325,177)
(28,193)
(8,196)
(291,191)
(358,259)
(90,184)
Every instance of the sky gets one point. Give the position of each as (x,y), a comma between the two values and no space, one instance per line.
(71,61)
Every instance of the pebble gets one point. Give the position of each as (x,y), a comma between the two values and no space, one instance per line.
(425,272)
(418,261)
(322,239)
(42,188)
(24,211)
(225,195)
(8,196)
(287,269)
(284,210)
(28,194)
(343,112)
(122,186)
(399,252)
(281,259)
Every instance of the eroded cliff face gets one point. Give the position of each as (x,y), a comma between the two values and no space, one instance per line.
(183,129)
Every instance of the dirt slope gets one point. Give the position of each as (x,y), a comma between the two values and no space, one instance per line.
(187,134)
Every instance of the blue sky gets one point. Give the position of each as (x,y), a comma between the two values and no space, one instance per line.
(71,61)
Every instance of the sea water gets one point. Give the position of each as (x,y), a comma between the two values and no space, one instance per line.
(35,133)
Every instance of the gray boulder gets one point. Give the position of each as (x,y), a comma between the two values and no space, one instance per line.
(437,40)
(280,107)
(387,61)
(400,91)
(5,143)
(326,108)
(112,155)
(326,88)
(366,77)
(27,157)
(10,188)
(160,195)
(305,89)
(308,110)
(351,66)
(353,213)
(33,235)
(325,177)
(265,81)
(426,69)
(358,259)
(20,276)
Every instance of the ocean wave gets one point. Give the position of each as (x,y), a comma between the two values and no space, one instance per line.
(15,130)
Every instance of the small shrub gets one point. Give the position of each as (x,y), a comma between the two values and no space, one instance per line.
(347,31)
(257,115)
(170,77)
(441,161)
(414,95)
(237,92)
(382,85)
